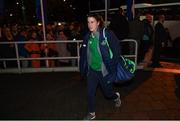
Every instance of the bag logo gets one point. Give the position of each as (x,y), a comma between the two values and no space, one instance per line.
(103,42)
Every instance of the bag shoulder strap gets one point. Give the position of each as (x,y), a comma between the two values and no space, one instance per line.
(106,40)
(126,61)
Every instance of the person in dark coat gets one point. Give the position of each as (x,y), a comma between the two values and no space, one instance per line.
(119,25)
(136,29)
(160,37)
(97,64)
(147,39)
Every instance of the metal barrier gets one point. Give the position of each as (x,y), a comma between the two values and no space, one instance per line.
(18,59)
(136,50)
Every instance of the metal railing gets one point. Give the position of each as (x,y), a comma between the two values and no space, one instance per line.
(135,51)
(18,59)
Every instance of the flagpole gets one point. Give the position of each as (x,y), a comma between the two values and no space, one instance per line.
(44,30)
(133,9)
(130,9)
(106,10)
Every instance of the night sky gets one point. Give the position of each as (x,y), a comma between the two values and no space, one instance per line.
(58,10)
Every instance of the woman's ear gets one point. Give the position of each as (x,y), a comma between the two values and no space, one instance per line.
(98,23)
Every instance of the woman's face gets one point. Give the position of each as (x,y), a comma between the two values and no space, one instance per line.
(92,24)
(62,35)
(34,35)
(49,37)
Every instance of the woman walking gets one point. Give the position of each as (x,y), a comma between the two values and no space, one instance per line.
(98,63)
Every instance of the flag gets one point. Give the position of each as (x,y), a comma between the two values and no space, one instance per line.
(1,11)
(1,8)
(130,9)
(38,10)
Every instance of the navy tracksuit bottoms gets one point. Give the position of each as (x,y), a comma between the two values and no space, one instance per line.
(95,78)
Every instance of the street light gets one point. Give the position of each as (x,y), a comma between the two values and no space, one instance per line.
(10,14)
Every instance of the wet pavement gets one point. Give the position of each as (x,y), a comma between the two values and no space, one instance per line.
(56,96)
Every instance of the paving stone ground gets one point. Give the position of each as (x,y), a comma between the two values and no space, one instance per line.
(56,96)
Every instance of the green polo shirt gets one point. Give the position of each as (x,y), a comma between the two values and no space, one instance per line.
(95,56)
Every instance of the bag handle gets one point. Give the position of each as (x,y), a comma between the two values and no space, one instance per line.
(129,62)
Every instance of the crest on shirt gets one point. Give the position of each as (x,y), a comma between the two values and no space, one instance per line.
(103,42)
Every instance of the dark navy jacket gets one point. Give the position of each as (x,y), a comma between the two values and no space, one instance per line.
(110,64)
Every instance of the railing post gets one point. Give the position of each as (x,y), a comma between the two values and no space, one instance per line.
(78,55)
(136,49)
(136,52)
(17,56)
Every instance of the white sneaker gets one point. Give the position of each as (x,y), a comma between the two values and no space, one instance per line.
(90,116)
(117,100)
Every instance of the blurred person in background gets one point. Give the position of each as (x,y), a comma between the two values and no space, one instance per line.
(23,53)
(160,38)
(8,49)
(34,49)
(73,35)
(136,29)
(146,45)
(62,49)
(51,48)
(119,24)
